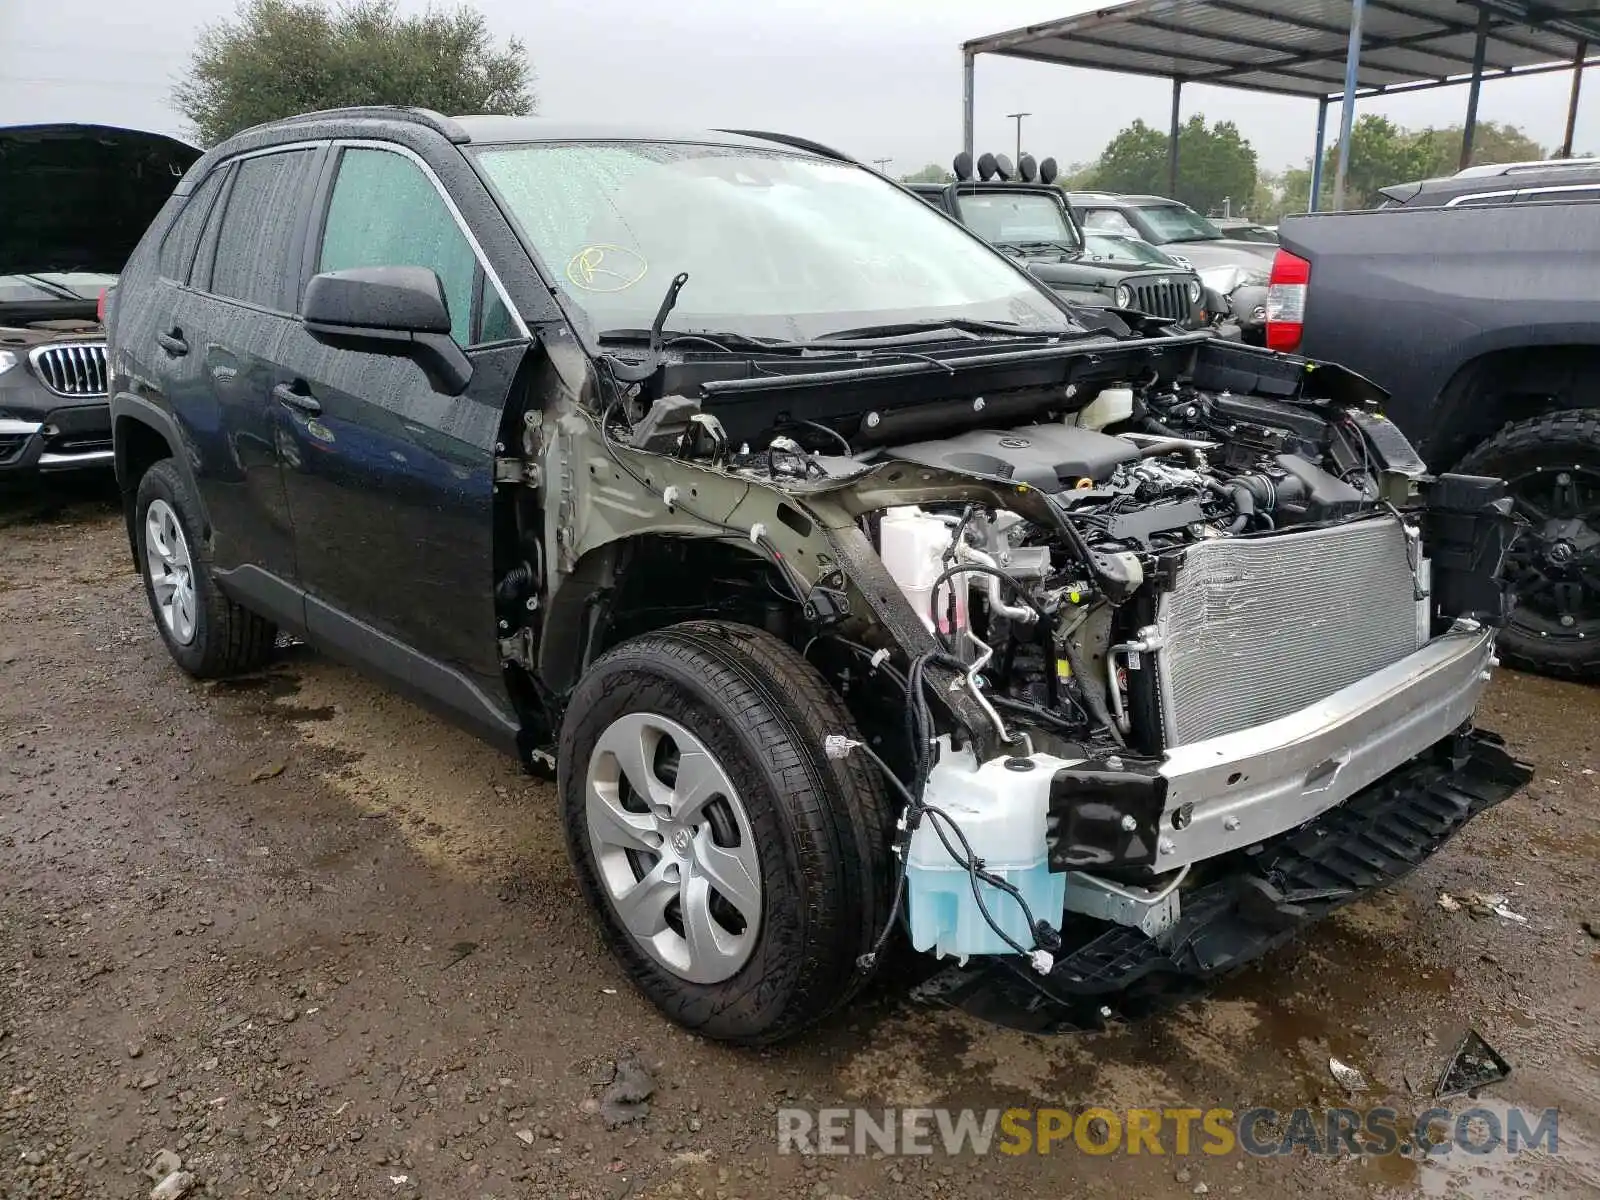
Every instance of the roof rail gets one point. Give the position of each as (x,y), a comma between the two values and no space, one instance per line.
(799,143)
(436,121)
(1488,170)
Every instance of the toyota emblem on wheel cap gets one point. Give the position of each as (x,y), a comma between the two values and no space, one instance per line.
(1015,443)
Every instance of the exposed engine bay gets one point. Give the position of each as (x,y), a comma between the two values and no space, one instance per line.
(1057,618)
(1103,634)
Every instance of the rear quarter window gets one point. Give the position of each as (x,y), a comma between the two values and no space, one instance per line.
(183,234)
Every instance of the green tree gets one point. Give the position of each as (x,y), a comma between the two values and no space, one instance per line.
(1215,164)
(1383,154)
(1268,195)
(1134,161)
(1079,177)
(932,173)
(281,57)
(1293,196)
(1439,150)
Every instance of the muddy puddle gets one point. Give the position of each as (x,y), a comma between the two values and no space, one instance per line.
(1388,985)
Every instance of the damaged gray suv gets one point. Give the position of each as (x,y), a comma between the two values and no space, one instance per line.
(856,588)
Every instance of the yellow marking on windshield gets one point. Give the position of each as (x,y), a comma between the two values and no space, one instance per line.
(606,268)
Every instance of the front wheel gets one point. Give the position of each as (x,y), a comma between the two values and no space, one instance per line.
(1552,467)
(738,873)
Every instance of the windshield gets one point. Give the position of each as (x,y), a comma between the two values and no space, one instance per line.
(53,285)
(1178,223)
(1016,218)
(776,244)
(1118,248)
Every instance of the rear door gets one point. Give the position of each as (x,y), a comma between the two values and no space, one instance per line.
(227,330)
(150,301)
(390,483)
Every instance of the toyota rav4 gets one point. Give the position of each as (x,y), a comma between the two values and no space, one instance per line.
(850,585)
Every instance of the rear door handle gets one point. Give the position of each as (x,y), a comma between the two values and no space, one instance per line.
(173,343)
(296,397)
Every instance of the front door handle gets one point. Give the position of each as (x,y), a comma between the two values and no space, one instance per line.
(296,396)
(173,343)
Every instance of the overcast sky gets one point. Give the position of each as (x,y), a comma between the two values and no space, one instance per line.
(877,78)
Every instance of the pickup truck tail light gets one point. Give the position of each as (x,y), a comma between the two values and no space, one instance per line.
(100,305)
(1286,301)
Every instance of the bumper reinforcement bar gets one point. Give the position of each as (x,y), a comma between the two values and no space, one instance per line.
(1255,900)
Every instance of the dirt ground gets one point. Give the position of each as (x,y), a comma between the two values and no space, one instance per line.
(313,941)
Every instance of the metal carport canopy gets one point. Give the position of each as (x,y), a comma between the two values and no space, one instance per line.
(1322,50)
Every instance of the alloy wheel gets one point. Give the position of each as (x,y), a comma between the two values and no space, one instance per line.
(673,846)
(1554,566)
(171,569)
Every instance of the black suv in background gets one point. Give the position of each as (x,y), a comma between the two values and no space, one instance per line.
(74,201)
(713,468)
(1539,181)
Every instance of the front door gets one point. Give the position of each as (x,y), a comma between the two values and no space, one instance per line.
(390,483)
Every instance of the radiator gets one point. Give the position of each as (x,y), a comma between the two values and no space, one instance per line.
(1257,628)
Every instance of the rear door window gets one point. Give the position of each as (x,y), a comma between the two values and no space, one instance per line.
(386,212)
(253,242)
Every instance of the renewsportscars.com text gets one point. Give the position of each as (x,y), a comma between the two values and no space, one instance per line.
(1178,1132)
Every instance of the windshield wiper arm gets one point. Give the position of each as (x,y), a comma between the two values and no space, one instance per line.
(720,339)
(1051,244)
(963,325)
(60,291)
(628,372)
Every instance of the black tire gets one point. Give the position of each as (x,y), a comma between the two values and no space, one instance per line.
(1527,454)
(822,827)
(228,638)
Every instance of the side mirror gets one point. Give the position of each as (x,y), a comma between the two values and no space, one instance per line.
(389,310)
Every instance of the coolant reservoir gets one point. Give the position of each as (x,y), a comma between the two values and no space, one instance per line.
(912,544)
(1113,404)
(1002,807)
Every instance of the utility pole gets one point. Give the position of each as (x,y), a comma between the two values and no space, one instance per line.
(1017,117)
(882,163)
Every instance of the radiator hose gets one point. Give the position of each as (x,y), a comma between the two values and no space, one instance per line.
(1241,496)
(1252,494)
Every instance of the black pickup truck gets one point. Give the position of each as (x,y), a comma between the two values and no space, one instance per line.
(1483,324)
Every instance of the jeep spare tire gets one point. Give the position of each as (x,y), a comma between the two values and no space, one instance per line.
(738,873)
